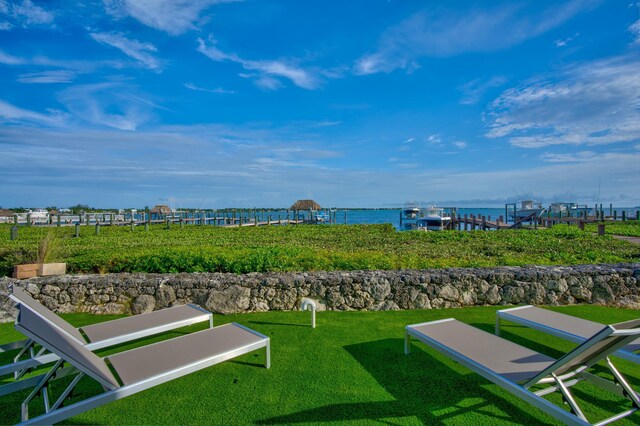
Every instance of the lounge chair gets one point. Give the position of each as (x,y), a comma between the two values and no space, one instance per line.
(516,368)
(132,371)
(92,337)
(561,325)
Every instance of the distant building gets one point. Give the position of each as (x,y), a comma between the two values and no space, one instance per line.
(6,213)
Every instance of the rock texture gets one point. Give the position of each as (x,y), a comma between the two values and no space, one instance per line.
(614,285)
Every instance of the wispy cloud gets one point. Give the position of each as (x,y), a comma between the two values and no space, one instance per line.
(56,76)
(474,90)
(7,59)
(15,115)
(109,104)
(171,16)
(217,90)
(140,51)
(268,72)
(449,33)
(577,157)
(566,41)
(635,30)
(25,14)
(588,104)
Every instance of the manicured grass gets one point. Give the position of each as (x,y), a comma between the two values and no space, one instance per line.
(307,248)
(630,228)
(350,369)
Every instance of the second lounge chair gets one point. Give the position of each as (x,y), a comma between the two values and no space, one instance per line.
(517,369)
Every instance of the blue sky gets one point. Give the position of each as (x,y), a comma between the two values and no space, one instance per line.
(207,103)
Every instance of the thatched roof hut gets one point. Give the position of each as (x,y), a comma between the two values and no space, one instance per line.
(160,209)
(6,213)
(305,205)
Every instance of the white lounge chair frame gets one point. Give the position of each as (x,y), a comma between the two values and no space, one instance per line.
(56,340)
(558,375)
(153,323)
(550,323)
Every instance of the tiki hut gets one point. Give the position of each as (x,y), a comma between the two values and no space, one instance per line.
(6,213)
(160,209)
(305,205)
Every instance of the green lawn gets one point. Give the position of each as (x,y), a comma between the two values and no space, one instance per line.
(630,228)
(350,369)
(307,248)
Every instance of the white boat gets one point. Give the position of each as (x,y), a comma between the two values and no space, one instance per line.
(411,210)
(433,219)
(529,209)
(568,209)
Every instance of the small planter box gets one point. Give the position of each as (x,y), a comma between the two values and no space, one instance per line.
(34,269)
(52,269)
(25,271)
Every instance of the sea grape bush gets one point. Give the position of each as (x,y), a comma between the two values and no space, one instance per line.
(308,248)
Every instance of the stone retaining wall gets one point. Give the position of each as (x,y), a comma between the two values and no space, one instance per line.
(615,285)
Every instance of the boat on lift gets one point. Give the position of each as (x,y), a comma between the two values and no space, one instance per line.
(411,210)
(433,219)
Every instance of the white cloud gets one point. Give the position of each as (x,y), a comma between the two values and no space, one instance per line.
(474,90)
(133,48)
(7,59)
(635,30)
(5,26)
(587,104)
(450,33)
(564,42)
(268,72)
(110,104)
(25,14)
(217,90)
(460,144)
(578,157)
(171,16)
(435,140)
(56,76)
(12,114)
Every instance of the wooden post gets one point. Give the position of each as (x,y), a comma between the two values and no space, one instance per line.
(97,228)
(146,226)
(167,222)
(88,219)
(484,223)
(400,219)
(28,219)
(181,223)
(601,229)
(15,219)
(610,209)
(58,220)
(14,232)
(615,215)
(77,230)
(133,223)
(465,221)
(624,215)
(581,225)
(345,217)
(111,218)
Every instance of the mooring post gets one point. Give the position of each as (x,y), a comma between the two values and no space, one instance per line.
(14,232)
(465,221)
(77,230)
(601,229)
(484,223)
